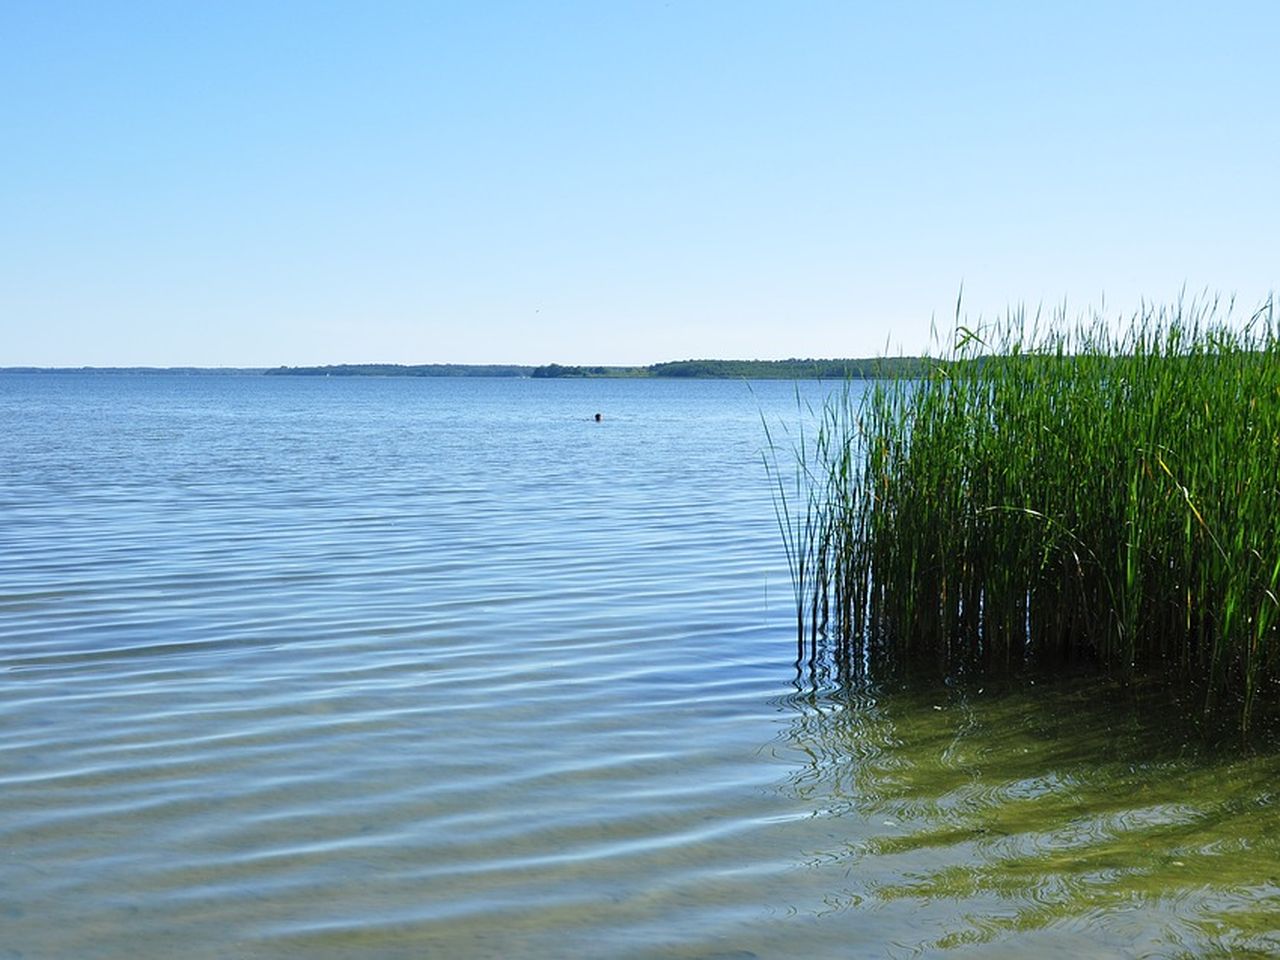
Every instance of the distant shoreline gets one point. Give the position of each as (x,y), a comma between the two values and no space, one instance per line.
(793,369)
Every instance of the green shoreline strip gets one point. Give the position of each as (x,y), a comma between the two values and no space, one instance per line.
(867,368)
(687,369)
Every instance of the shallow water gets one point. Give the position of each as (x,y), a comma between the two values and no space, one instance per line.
(404,668)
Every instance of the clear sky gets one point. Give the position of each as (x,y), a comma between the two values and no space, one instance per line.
(604,181)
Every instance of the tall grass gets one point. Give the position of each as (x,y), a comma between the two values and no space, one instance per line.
(1050,494)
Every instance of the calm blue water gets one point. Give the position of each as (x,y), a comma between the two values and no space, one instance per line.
(443,668)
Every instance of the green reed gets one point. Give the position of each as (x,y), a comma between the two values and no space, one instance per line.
(1051,494)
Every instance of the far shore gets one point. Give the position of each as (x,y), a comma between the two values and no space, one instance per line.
(793,369)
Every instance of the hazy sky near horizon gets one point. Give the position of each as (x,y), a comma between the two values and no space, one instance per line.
(253,184)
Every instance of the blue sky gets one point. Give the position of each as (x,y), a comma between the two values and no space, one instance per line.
(252,184)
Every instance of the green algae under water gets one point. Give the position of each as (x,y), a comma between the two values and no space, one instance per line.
(1046,810)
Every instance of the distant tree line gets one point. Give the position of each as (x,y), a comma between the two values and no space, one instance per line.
(560,370)
(403,370)
(793,369)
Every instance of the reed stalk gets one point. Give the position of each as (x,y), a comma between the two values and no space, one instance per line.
(1049,494)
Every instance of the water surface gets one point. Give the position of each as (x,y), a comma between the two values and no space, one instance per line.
(404,668)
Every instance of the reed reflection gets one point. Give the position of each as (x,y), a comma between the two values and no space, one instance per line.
(1025,806)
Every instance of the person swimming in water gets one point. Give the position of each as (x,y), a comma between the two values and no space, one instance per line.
(599,417)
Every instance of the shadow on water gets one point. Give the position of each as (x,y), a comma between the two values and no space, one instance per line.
(1010,809)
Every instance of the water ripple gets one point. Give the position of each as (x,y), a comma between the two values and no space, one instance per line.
(337,668)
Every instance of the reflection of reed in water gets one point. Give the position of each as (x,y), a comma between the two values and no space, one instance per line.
(1075,803)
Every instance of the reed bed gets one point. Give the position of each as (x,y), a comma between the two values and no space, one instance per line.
(1049,494)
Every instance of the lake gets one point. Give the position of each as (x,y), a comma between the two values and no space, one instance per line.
(346,667)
